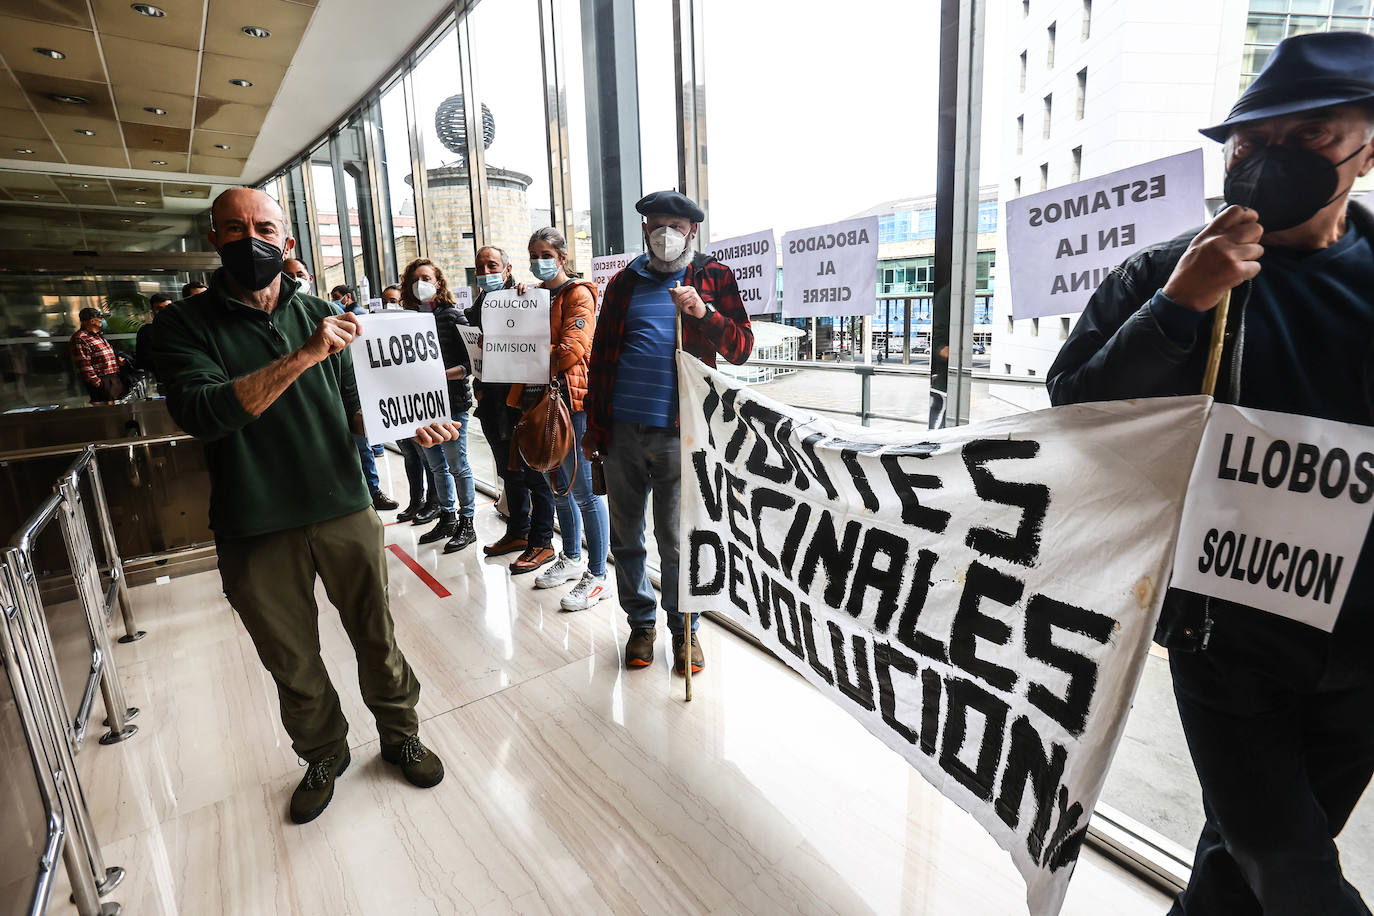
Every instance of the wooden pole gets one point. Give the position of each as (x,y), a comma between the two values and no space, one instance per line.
(686,618)
(1219,314)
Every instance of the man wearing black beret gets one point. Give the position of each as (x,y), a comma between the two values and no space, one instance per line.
(1279,715)
(631,402)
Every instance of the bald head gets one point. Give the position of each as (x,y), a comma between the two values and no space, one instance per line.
(246,212)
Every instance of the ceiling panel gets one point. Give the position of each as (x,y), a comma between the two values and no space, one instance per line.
(142,159)
(64,129)
(285,22)
(214,114)
(28,181)
(207,143)
(156,139)
(42,88)
(108,156)
(217,70)
(186,191)
(132,103)
(22,123)
(11,96)
(19,38)
(179,28)
(43,150)
(60,12)
(92,198)
(145,65)
(211,165)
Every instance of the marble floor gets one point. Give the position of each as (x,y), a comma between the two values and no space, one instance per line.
(573,785)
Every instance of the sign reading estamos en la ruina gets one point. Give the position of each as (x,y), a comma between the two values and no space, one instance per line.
(400,375)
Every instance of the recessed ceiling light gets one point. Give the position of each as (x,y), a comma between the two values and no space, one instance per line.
(156,111)
(49,52)
(242,84)
(159,162)
(69,99)
(253,31)
(126,221)
(188,191)
(84,132)
(23,149)
(139,189)
(220,146)
(141,203)
(147,9)
(85,186)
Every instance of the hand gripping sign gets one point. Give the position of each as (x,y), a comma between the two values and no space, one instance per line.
(400,375)
(516,337)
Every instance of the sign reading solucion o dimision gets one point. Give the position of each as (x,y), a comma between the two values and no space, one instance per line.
(1062,243)
(753,259)
(400,375)
(831,270)
(516,337)
(1277,511)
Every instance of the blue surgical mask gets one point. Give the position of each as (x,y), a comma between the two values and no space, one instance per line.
(104,323)
(490,283)
(544,269)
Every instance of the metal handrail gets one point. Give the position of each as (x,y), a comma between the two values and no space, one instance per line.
(52,451)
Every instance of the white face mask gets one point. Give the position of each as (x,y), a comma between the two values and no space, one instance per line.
(303,285)
(667,243)
(424,291)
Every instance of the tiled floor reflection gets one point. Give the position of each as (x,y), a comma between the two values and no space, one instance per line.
(573,786)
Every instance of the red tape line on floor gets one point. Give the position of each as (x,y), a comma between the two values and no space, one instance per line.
(419,570)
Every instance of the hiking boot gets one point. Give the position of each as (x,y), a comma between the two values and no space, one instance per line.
(428,512)
(532,559)
(639,648)
(409,512)
(680,654)
(447,528)
(465,535)
(587,592)
(381,501)
(508,544)
(316,790)
(563,570)
(420,766)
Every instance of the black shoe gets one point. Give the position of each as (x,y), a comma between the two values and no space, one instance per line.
(447,528)
(409,512)
(316,790)
(421,766)
(428,513)
(465,536)
(381,501)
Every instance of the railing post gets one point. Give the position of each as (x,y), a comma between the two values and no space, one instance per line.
(865,393)
(107,536)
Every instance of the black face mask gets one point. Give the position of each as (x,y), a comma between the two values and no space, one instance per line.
(252,262)
(1286,185)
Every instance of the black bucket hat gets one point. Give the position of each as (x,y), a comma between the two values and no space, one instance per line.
(1304,73)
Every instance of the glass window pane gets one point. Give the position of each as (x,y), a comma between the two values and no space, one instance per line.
(1264,29)
(1311,6)
(331,272)
(1350,8)
(575,103)
(1299,25)
(658,91)
(301,224)
(448,201)
(397,182)
(1254,58)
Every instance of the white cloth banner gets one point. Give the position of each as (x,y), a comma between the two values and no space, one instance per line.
(1063,242)
(400,375)
(516,336)
(831,270)
(1277,512)
(980,598)
(753,259)
(472,339)
(605,267)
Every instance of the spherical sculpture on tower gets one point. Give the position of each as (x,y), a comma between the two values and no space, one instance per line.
(450,123)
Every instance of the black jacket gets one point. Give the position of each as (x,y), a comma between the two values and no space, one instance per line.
(447,319)
(491,398)
(1118,351)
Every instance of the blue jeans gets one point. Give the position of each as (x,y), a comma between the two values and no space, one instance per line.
(641,460)
(449,462)
(582,508)
(374,483)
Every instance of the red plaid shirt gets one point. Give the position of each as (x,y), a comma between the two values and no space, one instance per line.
(725,331)
(94,357)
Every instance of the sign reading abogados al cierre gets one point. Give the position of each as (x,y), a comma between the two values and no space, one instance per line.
(400,374)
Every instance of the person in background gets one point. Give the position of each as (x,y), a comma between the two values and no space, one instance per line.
(143,343)
(296,270)
(423,288)
(345,300)
(572,319)
(97,364)
(631,402)
(530,513)
(391,297)
(194,287)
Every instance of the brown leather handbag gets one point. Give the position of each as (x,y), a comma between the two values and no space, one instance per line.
(544,435)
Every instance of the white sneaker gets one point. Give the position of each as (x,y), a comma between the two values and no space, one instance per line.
(585,593)
(563,570)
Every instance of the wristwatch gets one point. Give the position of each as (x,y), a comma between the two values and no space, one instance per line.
(707,308)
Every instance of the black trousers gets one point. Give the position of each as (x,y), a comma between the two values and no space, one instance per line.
(1281,732)
(529,501)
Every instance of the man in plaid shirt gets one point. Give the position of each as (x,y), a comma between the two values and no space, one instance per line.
(96,362)
(631,403)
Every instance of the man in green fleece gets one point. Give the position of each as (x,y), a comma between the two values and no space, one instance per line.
(261,373)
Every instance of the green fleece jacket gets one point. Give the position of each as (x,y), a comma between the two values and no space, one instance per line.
(294,465)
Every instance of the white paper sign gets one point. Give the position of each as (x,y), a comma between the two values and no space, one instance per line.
(1063,242)
(754,261)
(831,270)
(1277,512)
(605,267)
(400,375)
(516,336)
(472,339)
(966,594)
(462,295)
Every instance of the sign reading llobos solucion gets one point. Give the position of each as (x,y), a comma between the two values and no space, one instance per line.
(1062,243)
(516,336)
(753,259)
(1277,511)
(400,375)
(831,270)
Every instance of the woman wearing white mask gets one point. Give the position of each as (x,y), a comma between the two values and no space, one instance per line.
(423,288)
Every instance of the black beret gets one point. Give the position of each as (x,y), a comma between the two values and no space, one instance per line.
(88,313)
(670,203)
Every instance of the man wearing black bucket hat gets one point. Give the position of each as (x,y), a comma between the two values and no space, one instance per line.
(1279,716)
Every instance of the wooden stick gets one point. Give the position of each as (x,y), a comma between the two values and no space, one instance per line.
(1219,314)
(687,647)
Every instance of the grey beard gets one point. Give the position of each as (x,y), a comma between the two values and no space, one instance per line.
(669,267)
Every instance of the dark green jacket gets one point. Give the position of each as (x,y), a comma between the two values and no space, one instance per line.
(296,464)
